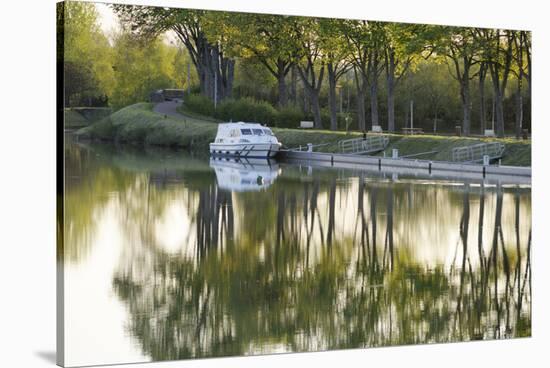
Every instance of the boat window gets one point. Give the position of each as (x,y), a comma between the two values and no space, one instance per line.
(246,132)
(268,132)
(257,131)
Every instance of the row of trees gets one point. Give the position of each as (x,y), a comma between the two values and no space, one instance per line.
(455,74)
(323,50)
(116,69)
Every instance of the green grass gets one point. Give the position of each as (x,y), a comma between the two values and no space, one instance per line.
(516,153)
(194,115)
(78,117)
(138,124)
(74,119)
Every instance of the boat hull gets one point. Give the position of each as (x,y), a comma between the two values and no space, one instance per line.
(245,150)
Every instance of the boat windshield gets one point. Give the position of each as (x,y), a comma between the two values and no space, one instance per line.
(246,131)
(268,132)
(258,131)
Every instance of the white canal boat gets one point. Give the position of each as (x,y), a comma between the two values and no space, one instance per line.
(244,140)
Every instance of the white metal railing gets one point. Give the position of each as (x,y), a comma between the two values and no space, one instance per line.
(369,144)
(476,152)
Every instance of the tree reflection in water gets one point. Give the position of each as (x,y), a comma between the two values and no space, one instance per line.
(330,260)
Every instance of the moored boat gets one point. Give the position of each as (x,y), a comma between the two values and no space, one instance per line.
(244,140)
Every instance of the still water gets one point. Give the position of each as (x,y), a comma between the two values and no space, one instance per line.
(169,256)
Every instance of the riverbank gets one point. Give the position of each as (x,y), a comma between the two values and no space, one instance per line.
(79,117)
(139,124)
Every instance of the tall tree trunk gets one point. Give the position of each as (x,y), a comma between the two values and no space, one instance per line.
(282,71)
(217,90)
(373,76)
(519,109)
(499,111)
(374,103)
(465,97)
(332,96)
(482,109)
(519,97)
(392,79)
(500,70)
(229,78)
(316,108)
(293,84)
(281,82)
(312,87)
(216,72)
(391,104)
(360,83)
(361,110)
(305,105)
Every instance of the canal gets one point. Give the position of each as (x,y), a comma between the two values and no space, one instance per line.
(171,256)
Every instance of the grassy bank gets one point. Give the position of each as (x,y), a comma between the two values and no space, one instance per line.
(138,124)
(78,117)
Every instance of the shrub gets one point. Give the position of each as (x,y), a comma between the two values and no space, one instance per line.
(289,117)
(199,104)
(246,109)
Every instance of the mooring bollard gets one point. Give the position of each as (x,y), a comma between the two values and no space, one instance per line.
(430,167)
(379,164)
(486,162)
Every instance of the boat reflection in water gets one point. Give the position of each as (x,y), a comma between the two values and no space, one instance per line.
(244,174)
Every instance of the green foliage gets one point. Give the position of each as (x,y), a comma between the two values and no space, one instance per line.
(141,68)
(425,61)
(246,109)
(199,104)
(80,117)
(182,67)
(289,117)
(87,54)
(243,109)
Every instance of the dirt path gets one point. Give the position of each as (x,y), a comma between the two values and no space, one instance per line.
(169,108)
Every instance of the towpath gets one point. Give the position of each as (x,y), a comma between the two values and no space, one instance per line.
(169,108)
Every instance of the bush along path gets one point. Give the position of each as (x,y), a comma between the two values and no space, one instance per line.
(170,125)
